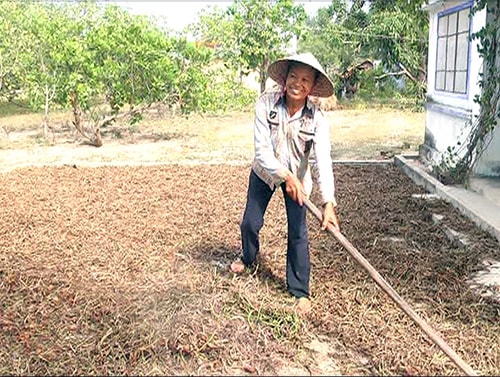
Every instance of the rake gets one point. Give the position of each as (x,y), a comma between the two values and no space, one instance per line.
(432,334)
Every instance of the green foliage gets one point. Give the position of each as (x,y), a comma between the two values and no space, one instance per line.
(191,83)
(53,59)
(132,58)
(76,54)
(399,38)
(393,92)
(12,38)
(252,33)
(335,37)
(392,32)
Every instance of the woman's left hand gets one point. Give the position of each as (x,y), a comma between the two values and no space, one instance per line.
(330,217)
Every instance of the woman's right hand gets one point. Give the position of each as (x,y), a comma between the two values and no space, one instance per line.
(294,189)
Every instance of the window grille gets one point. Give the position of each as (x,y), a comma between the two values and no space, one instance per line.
(452,63)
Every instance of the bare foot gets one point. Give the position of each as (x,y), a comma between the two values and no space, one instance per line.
(303,306)
(237,267)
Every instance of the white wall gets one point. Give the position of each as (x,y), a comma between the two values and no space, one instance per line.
(448,115)
(489,163)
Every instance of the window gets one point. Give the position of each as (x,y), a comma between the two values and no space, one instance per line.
(453,51)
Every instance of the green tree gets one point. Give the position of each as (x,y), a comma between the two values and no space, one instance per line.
(335,36)
(394,32)
(398,35)
(84,55)
(105,64)
(131,58)
(252,33)
(56,62)
(12,38)
(132,67)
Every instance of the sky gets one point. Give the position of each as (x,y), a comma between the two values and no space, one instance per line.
(179,14)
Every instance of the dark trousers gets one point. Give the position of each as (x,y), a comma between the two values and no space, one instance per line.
(298,265)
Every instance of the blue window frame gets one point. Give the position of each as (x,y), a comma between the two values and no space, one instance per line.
(453,43)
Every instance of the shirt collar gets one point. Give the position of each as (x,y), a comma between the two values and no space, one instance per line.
(280,101)
(307,110)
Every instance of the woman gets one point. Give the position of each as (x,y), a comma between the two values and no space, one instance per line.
(292,145)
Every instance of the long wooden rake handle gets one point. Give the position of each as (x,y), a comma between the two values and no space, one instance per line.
(392,293)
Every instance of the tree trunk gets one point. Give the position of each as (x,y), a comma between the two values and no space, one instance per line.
(77,113)
(46,113)
(94,139)
(98,138)
(263,73)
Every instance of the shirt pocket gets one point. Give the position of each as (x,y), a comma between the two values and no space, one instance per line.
(273,124)
(306,136)
(273,127)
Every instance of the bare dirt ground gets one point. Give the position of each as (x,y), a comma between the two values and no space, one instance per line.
(355,134)
(122,270)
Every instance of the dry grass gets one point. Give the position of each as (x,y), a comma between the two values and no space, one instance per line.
(365,133)
(355,134)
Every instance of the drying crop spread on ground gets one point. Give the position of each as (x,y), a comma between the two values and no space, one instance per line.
(123,270)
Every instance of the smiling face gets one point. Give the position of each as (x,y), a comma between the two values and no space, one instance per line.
(299,83)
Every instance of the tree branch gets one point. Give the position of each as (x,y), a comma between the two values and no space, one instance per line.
(410,76)
(111,118)
(390,74)
(403,71)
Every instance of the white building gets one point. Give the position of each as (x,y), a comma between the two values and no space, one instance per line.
(453,75)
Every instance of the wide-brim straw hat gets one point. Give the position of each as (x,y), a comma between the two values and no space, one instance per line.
(278,71)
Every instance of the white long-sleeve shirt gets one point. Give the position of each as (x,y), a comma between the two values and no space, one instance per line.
(299,145)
